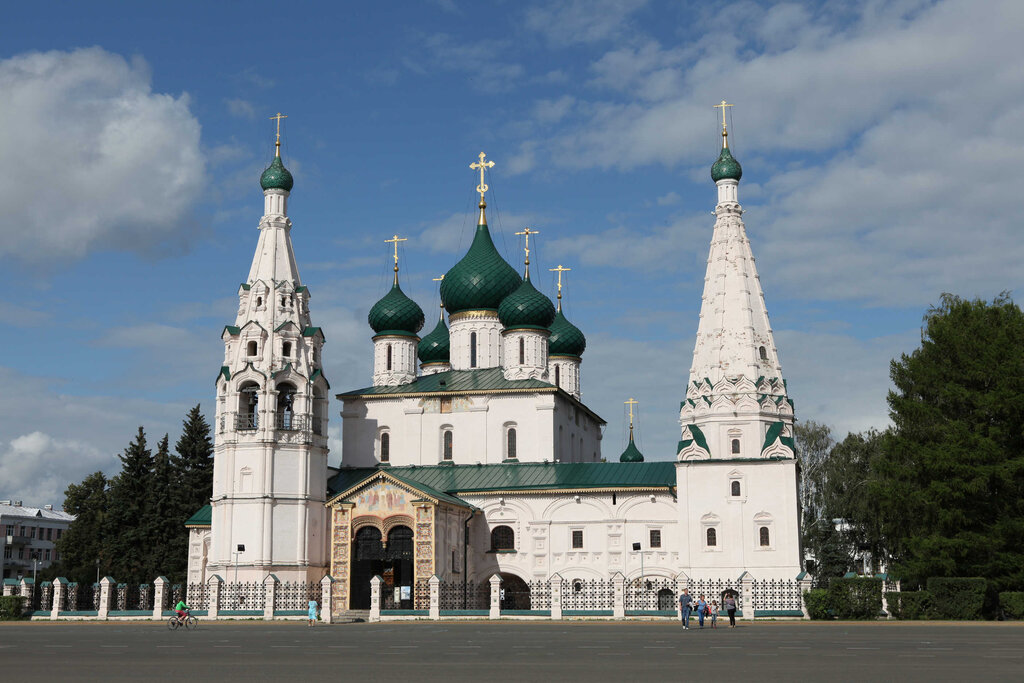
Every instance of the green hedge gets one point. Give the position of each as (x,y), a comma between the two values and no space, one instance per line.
(855,598)
(910,605)
(1012,604)
(957,598)
(11,607)
(817,603)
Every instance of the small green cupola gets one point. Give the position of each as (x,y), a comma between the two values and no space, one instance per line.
(566,339)
(632,453)
(436,346)
(482,279)
(396,314)
(726,168)
(277,177)
(526,308)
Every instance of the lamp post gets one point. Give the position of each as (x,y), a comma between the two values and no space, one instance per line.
(240,548)
(636,549)
(97,570)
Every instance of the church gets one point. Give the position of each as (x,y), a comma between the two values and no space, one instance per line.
(470,453)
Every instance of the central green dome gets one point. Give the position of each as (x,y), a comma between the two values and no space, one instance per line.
(566,339)
(632,453)
(481,279)
(277,177)
(726,167)
(436,346)
(526,308)
(396,314)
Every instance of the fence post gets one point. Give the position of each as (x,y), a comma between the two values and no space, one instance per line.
(105,595)
(805,585)
(326,609)
(747,584)
(618,596)
(159,592)
(269,596)
(59,587)
(495,582)
(375,583)
(556,596)
(213,608)
(434,583)
(9,585)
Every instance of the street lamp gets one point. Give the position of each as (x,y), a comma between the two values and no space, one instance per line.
(97,570)
(636,549)
(240,548)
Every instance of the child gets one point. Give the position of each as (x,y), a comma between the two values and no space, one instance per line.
(714,613)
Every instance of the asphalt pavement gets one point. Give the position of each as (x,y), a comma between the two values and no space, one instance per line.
(511,650)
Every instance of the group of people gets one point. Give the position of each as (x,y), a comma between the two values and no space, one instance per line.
(705,609)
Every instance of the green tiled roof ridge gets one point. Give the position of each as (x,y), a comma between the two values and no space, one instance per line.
(202,517)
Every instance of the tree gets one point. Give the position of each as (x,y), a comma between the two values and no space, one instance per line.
(951,481)
(129,497)
(814,443)
(83,543)
(161,524)
(194,464)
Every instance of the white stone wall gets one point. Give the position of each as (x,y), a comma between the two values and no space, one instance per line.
(403,360)
(489,349)
(567,376)
(535,354)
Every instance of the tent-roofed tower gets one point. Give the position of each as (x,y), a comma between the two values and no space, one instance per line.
(736,404)
(270,446)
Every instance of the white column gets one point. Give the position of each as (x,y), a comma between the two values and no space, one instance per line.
(269,596)
(556,596)
(106,593)
(747,583)
(805,585)
(8,587)
(619,596)
(375,583)
(59,587)
(326,600)
(495,582)
(159,591)
(435,597)
(213,609)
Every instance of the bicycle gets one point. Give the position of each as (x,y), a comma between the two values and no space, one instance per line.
(189,622)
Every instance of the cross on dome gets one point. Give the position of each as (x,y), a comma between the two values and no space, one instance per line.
(631,402)
(277,143)
(395,240)
(528,232)
(725,133)
(481,165)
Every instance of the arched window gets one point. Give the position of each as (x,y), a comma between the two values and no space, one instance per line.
(248,406)
(286,406)
(385,447)
(259,301)
(765,537)
(712,537)
(558,378)
(286,349)
(319,412)
(503,538)
(389,356)
(522,351)
(472,349)
(735,446)
(735,488)
(251,348)
(447,448)
(764,353)
(510,443)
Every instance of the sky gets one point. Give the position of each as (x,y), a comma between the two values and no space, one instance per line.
(881,145)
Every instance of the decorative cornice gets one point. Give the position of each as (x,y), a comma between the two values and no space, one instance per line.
(481,314)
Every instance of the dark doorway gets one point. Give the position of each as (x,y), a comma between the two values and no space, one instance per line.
(666,599)
(515,593)
(391,561)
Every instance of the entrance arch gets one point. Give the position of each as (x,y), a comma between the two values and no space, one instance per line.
(515,592)
(391,559)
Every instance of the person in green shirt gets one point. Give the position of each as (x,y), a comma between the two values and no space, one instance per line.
(182,609)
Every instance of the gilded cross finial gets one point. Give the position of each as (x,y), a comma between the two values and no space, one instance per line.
(277,143)
(481,165)
(631,402)
(395,240)
(559,270)
(528,232)
(440,279)
(725,133)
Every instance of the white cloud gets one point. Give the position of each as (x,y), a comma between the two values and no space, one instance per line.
(36,468)
(484,71)
(553,111)
(241,108)
(582,21)
(102,162)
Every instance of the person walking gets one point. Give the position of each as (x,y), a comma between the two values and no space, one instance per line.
(685,605)
(730,607)
(714,614)
(702,610)
(312,612)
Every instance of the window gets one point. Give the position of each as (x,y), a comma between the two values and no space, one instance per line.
(558,377)
(448,445)
(735,488)
(712,535)
(8,553)
(59,532)
(764,353)
(503,538)
(21,553)
(765,537)
(250,348)
(655,538)
(389,356)
(510,443)
(577,539)
(46,555)
(10,529)
(259,301)
(385,447)
(472,349)
(286,349)
(49,534)
(32,532)
(735,446)
(286,406)
(522,351)
(248,405)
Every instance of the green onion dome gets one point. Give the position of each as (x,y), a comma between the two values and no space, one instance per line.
(566,339)
(726,167)
(436,346)
(396,314)
(276,177)
(481,280)
(526,308)
(632,453)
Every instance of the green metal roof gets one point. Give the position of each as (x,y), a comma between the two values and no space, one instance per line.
(277,176)
(526,308)
(481,279)
(396,312)
(462,479)
(726,167)
(202,517)
(436,346)
(455,381)
(311,331)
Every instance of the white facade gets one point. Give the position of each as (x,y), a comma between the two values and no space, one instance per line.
(28,537)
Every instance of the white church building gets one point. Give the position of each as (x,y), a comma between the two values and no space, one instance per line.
(471,454)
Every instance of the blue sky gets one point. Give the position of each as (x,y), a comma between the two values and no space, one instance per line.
(881,144)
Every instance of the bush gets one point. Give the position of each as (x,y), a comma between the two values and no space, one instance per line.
(1012,604)
(957,598)
(817,603)
(855,598)
(11,607)
(910,605)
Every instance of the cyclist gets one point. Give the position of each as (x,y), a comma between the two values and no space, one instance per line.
(182,609)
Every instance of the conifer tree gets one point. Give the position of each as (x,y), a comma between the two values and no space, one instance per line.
(129,499)
(193,465)
(83,544)
(167,538)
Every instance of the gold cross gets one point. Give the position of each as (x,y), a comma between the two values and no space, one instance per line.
(528,232)
(560,270)
(725,133)
(482,187)
(395,240)
(277,144)
(631,402)
(440,279)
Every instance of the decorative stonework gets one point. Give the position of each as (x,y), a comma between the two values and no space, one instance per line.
(341,548)
(424,544)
